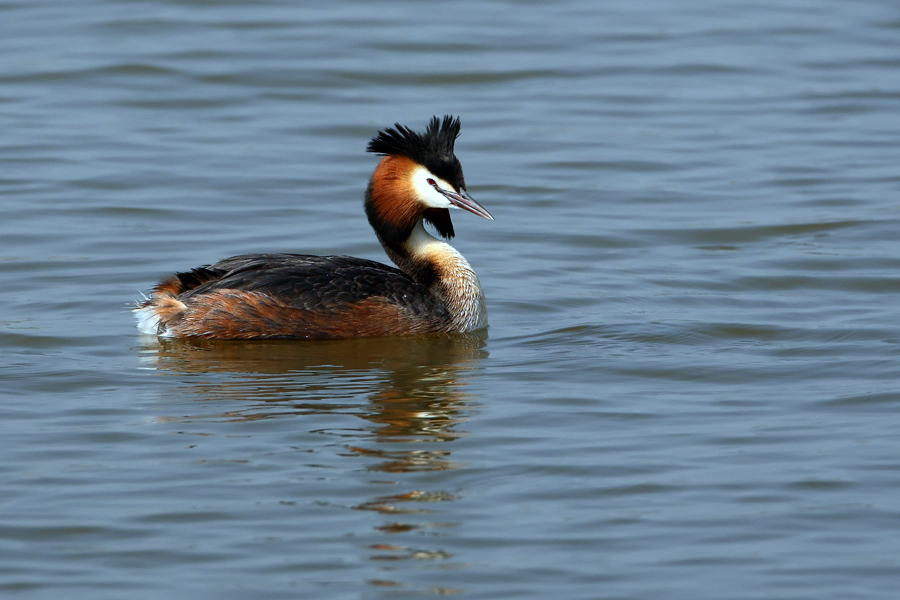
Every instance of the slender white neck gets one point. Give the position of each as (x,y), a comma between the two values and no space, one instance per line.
(457,283)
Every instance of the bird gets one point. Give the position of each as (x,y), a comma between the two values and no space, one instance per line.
(433,290)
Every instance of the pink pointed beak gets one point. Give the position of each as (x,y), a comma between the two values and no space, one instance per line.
(463,200)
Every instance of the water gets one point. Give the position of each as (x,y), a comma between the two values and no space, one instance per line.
(690,387)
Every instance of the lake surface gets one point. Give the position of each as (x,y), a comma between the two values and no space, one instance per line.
(690,388)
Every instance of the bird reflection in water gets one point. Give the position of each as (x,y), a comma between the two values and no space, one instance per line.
(410,392)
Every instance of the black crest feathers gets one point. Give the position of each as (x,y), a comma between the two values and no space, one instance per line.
(400,140)
(432,149)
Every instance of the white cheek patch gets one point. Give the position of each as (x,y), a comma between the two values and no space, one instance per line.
(426,192)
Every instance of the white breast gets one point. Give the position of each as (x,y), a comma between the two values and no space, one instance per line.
(460,287)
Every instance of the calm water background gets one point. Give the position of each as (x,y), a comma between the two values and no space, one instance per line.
(691,383)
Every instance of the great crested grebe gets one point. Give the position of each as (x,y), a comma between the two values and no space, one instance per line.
(256,296)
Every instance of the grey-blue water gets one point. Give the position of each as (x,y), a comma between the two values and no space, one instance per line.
(690,388)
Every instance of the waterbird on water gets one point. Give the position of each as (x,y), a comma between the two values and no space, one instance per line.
(435,290)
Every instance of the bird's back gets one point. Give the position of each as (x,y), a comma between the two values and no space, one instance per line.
(293,296)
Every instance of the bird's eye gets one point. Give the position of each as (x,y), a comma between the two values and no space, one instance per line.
(431,182)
